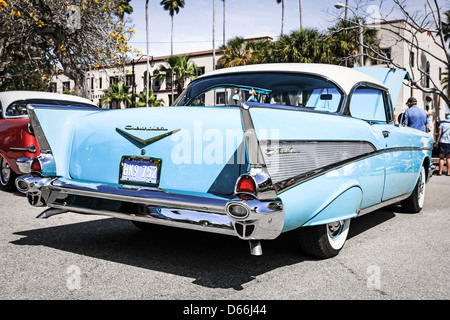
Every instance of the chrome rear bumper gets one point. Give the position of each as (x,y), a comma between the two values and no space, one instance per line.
(262,219)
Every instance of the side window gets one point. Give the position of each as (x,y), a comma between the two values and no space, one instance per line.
(368,104)
(390,108)
(17,109)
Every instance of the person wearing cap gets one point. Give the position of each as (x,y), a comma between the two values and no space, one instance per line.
(443,141)
(416,117)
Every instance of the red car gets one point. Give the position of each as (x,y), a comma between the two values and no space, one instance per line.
(16,139)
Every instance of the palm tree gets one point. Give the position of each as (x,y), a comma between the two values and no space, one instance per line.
(124,7)
(282,14)
(446,26)
(306,45)
(173,6)
(237,53)
(152,101)
(181,67)
(344,41)
(117,93)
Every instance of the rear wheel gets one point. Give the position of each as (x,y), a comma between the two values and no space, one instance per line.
(7,176)
(416,200)
(324,241)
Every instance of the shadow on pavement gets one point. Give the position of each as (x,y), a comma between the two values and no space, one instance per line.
(215,261)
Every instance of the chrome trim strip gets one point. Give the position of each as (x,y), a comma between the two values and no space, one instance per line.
(37,130)
(143,143)
(18,149)
(383,204)
(266,189)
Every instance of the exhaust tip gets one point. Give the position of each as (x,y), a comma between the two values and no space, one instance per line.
(237,210)
(22,185)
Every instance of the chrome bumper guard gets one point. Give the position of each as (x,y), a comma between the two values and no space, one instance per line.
(261,220)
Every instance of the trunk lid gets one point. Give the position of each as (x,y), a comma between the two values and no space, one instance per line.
(197,149)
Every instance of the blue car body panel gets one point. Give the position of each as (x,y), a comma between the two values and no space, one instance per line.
(96,147)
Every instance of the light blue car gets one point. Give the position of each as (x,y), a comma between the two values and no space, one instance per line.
(316,147)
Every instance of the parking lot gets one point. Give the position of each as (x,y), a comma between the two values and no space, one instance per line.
(389,255)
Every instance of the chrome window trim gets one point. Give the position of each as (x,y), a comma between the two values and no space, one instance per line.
(37,130)
(346,107)
(258,169)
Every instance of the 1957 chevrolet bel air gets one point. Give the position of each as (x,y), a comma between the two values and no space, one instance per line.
(250,151)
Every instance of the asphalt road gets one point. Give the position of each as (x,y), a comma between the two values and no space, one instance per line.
(389,255)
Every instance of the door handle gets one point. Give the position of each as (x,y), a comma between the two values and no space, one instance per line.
(385,133)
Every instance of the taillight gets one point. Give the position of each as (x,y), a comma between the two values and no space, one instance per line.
(36,166)
(246,184)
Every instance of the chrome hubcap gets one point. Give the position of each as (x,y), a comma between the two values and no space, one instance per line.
(421,189)
(334,229)
(5,171)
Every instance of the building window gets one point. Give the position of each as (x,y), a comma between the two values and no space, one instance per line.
(411,59)
(92,83)
(386,53)
(129,80)
(427,75)
(113,80)
(221,98)
(169,80)
(156,86)
(53,87)
(200,71)
(66,86)
(100,83)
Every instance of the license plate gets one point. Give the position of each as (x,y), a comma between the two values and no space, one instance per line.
(143,171)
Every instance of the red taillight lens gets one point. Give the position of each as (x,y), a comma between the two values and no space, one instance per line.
(36,165)
(246,184)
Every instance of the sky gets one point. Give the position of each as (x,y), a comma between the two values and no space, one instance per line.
(244,18)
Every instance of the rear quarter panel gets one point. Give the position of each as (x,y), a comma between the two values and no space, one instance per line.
(343,189)
(14,134)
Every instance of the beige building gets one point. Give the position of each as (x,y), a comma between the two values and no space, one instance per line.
(101,79)
(396,41)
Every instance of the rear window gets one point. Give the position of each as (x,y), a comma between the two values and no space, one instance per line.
(18,109)
(286,89)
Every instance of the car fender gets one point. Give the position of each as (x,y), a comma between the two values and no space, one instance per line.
(344,206)
(330,197)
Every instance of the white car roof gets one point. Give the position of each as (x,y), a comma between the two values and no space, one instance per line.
(7,97)
(344,77)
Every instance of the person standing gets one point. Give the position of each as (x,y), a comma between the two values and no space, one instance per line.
(416,117)
(443,141)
